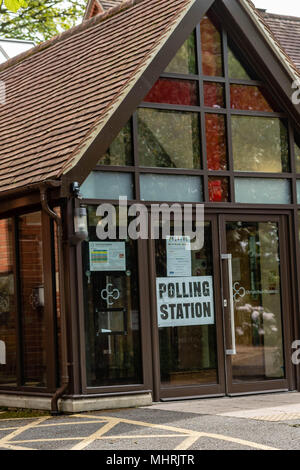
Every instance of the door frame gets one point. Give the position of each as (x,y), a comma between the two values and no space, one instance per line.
(286,304)
(286,249)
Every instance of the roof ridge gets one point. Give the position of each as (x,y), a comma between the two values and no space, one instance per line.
(86,24)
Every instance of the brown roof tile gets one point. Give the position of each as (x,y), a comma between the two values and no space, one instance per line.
(58,91)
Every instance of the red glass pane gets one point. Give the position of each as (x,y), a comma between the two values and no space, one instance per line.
(213,95)
(173,92)
(218,189)
(248,98)
(216,147)
(212,63)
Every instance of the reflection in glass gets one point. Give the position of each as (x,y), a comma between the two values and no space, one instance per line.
(260,144)
(188,354)
(218,189)
(172,188)
(171,91)
(120,150)
(112,317)
(262,191)
(249,98)
(214,95)
(185,60)
(33,315)
(168,139)
(211,44)
(257,301)
(235,68)
(8,371)
(216,148)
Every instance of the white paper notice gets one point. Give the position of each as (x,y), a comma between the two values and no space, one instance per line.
(185,301)
(179,257)
(107,256)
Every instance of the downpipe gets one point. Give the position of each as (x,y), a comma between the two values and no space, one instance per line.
(64,375)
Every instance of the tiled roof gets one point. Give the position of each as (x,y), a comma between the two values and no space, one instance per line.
(287,30)
(57,92)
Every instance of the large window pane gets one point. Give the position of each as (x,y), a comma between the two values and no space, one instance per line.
(185,60)
(259,144)
(32,287)
(174,188)
(8,346)
(262,191)
(171,91)
(216,147)
(107,185)
(168,138)
(112,317)
(120,151)
(297,155)
(212,61)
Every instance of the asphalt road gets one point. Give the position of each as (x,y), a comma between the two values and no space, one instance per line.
(149,429)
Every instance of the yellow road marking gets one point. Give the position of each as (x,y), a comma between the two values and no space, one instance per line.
(18,431)
(88,440)
(13,447)
(187,443)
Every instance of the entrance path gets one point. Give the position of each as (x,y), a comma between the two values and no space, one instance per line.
(262,422)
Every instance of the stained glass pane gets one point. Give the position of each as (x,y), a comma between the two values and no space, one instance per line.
(216,148)
(218,189)
(185,60)
(214,95)
(259,144)
(249,98)
(168,139)
(212,61)
(170,91)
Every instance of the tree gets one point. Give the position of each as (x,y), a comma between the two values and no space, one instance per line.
(38,20)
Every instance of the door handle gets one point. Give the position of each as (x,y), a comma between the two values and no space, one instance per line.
(232,351)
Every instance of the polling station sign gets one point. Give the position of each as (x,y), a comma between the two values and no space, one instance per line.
(185,301)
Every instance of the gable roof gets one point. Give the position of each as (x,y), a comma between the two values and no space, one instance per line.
(286,29)
(62,94)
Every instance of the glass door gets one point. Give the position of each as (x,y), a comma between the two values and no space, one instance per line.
(256,308)
(188,319)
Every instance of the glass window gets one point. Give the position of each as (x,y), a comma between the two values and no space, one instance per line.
(188,349)
(120,151)
(235,68)
(298,191)
(297,155)
(172,188)
(184,61)
(262,191)
(260,144)
(8,345)
(171,91)
(32,299)
(107,185)
(218,189)
(168,138)
(216,147)
(214,95)
(249,98)
(112,316)
(211,44)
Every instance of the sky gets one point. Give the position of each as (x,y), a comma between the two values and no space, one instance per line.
(284,7)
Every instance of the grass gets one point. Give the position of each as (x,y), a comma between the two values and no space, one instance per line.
(9,413)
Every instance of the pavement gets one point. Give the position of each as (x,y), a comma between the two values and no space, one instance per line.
(261,422)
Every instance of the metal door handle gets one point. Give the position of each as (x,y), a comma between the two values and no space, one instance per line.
(230,352)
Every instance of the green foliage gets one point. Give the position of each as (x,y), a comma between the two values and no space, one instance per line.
(38,20)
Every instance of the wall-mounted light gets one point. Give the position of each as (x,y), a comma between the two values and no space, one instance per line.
(80,225)
(37,298)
